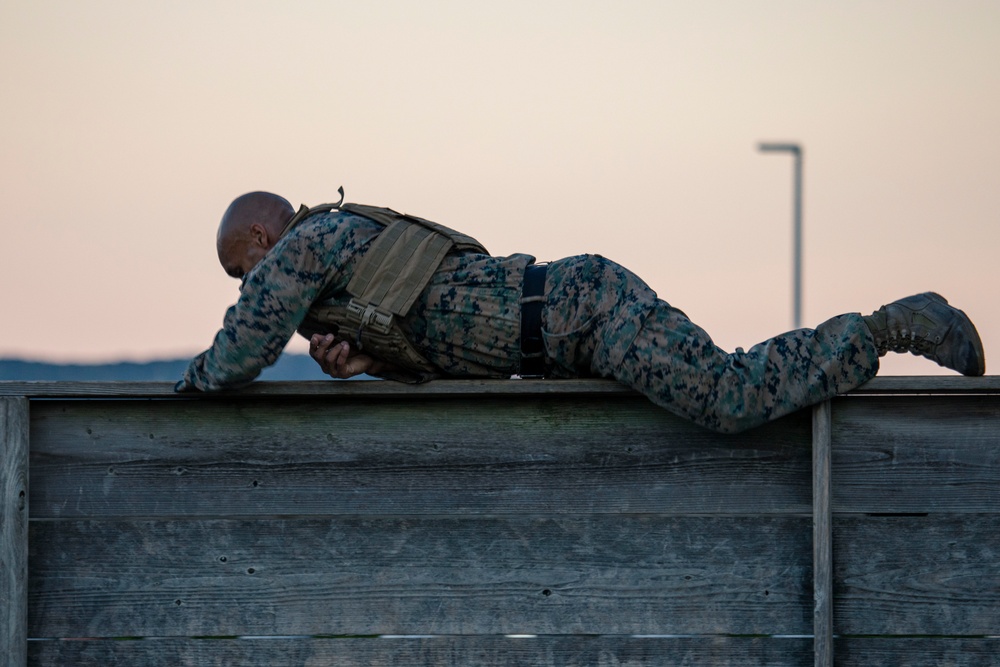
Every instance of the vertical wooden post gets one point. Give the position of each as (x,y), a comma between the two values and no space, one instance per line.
(14,531)
(822,430)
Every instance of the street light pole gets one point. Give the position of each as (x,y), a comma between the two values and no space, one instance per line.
(796,151)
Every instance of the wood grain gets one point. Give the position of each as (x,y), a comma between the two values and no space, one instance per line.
(474,509)
(595,575)
(611,651)
(312,389)
(484,456)
(933,575)
(916,454)
(933,384)
(918,651)
(822,537)
(13,530)
(606,651)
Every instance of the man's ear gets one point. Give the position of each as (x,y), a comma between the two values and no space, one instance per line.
(258,235)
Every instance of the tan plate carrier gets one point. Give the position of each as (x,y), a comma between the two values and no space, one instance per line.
(387,280)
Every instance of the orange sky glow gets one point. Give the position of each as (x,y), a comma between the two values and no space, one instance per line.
(555,128)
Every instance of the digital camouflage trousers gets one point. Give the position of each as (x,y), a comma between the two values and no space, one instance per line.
(601,320)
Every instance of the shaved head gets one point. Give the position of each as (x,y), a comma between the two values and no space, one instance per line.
(263,208)
(249,228)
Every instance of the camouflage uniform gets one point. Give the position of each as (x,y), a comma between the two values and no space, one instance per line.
(599,320)
(602,320)
(467,320)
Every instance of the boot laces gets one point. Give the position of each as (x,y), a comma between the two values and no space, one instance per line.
(903,340)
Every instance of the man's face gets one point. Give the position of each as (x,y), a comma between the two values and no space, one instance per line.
(241,254)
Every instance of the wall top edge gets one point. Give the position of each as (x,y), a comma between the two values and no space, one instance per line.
(890,385)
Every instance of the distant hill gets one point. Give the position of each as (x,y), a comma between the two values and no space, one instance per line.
(289,367)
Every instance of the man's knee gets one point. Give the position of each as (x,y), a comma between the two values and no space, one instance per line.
(737,403)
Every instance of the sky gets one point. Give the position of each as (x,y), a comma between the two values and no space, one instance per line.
(626,128)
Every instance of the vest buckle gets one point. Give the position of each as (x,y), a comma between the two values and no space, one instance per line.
(369,316)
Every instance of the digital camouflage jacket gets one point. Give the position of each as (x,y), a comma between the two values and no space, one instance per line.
(466,322)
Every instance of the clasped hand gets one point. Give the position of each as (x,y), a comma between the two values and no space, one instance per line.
(338,359)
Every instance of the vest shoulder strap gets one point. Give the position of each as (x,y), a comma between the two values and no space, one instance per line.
(304,212)
(386,216)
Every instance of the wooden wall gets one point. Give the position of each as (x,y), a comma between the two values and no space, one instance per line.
(373,524)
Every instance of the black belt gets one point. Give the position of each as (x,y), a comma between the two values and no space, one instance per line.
(532,299)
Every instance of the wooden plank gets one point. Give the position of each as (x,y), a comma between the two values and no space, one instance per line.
(606,651)
(13,530)
(918,651)
(933,575)
(934,384)
(917,454)
(930,384)
(822,538)
(490,455)
(311,389)
(597,575)
(439,651)
(891,455)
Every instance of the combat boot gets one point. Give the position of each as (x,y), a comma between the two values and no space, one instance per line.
(927,326)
